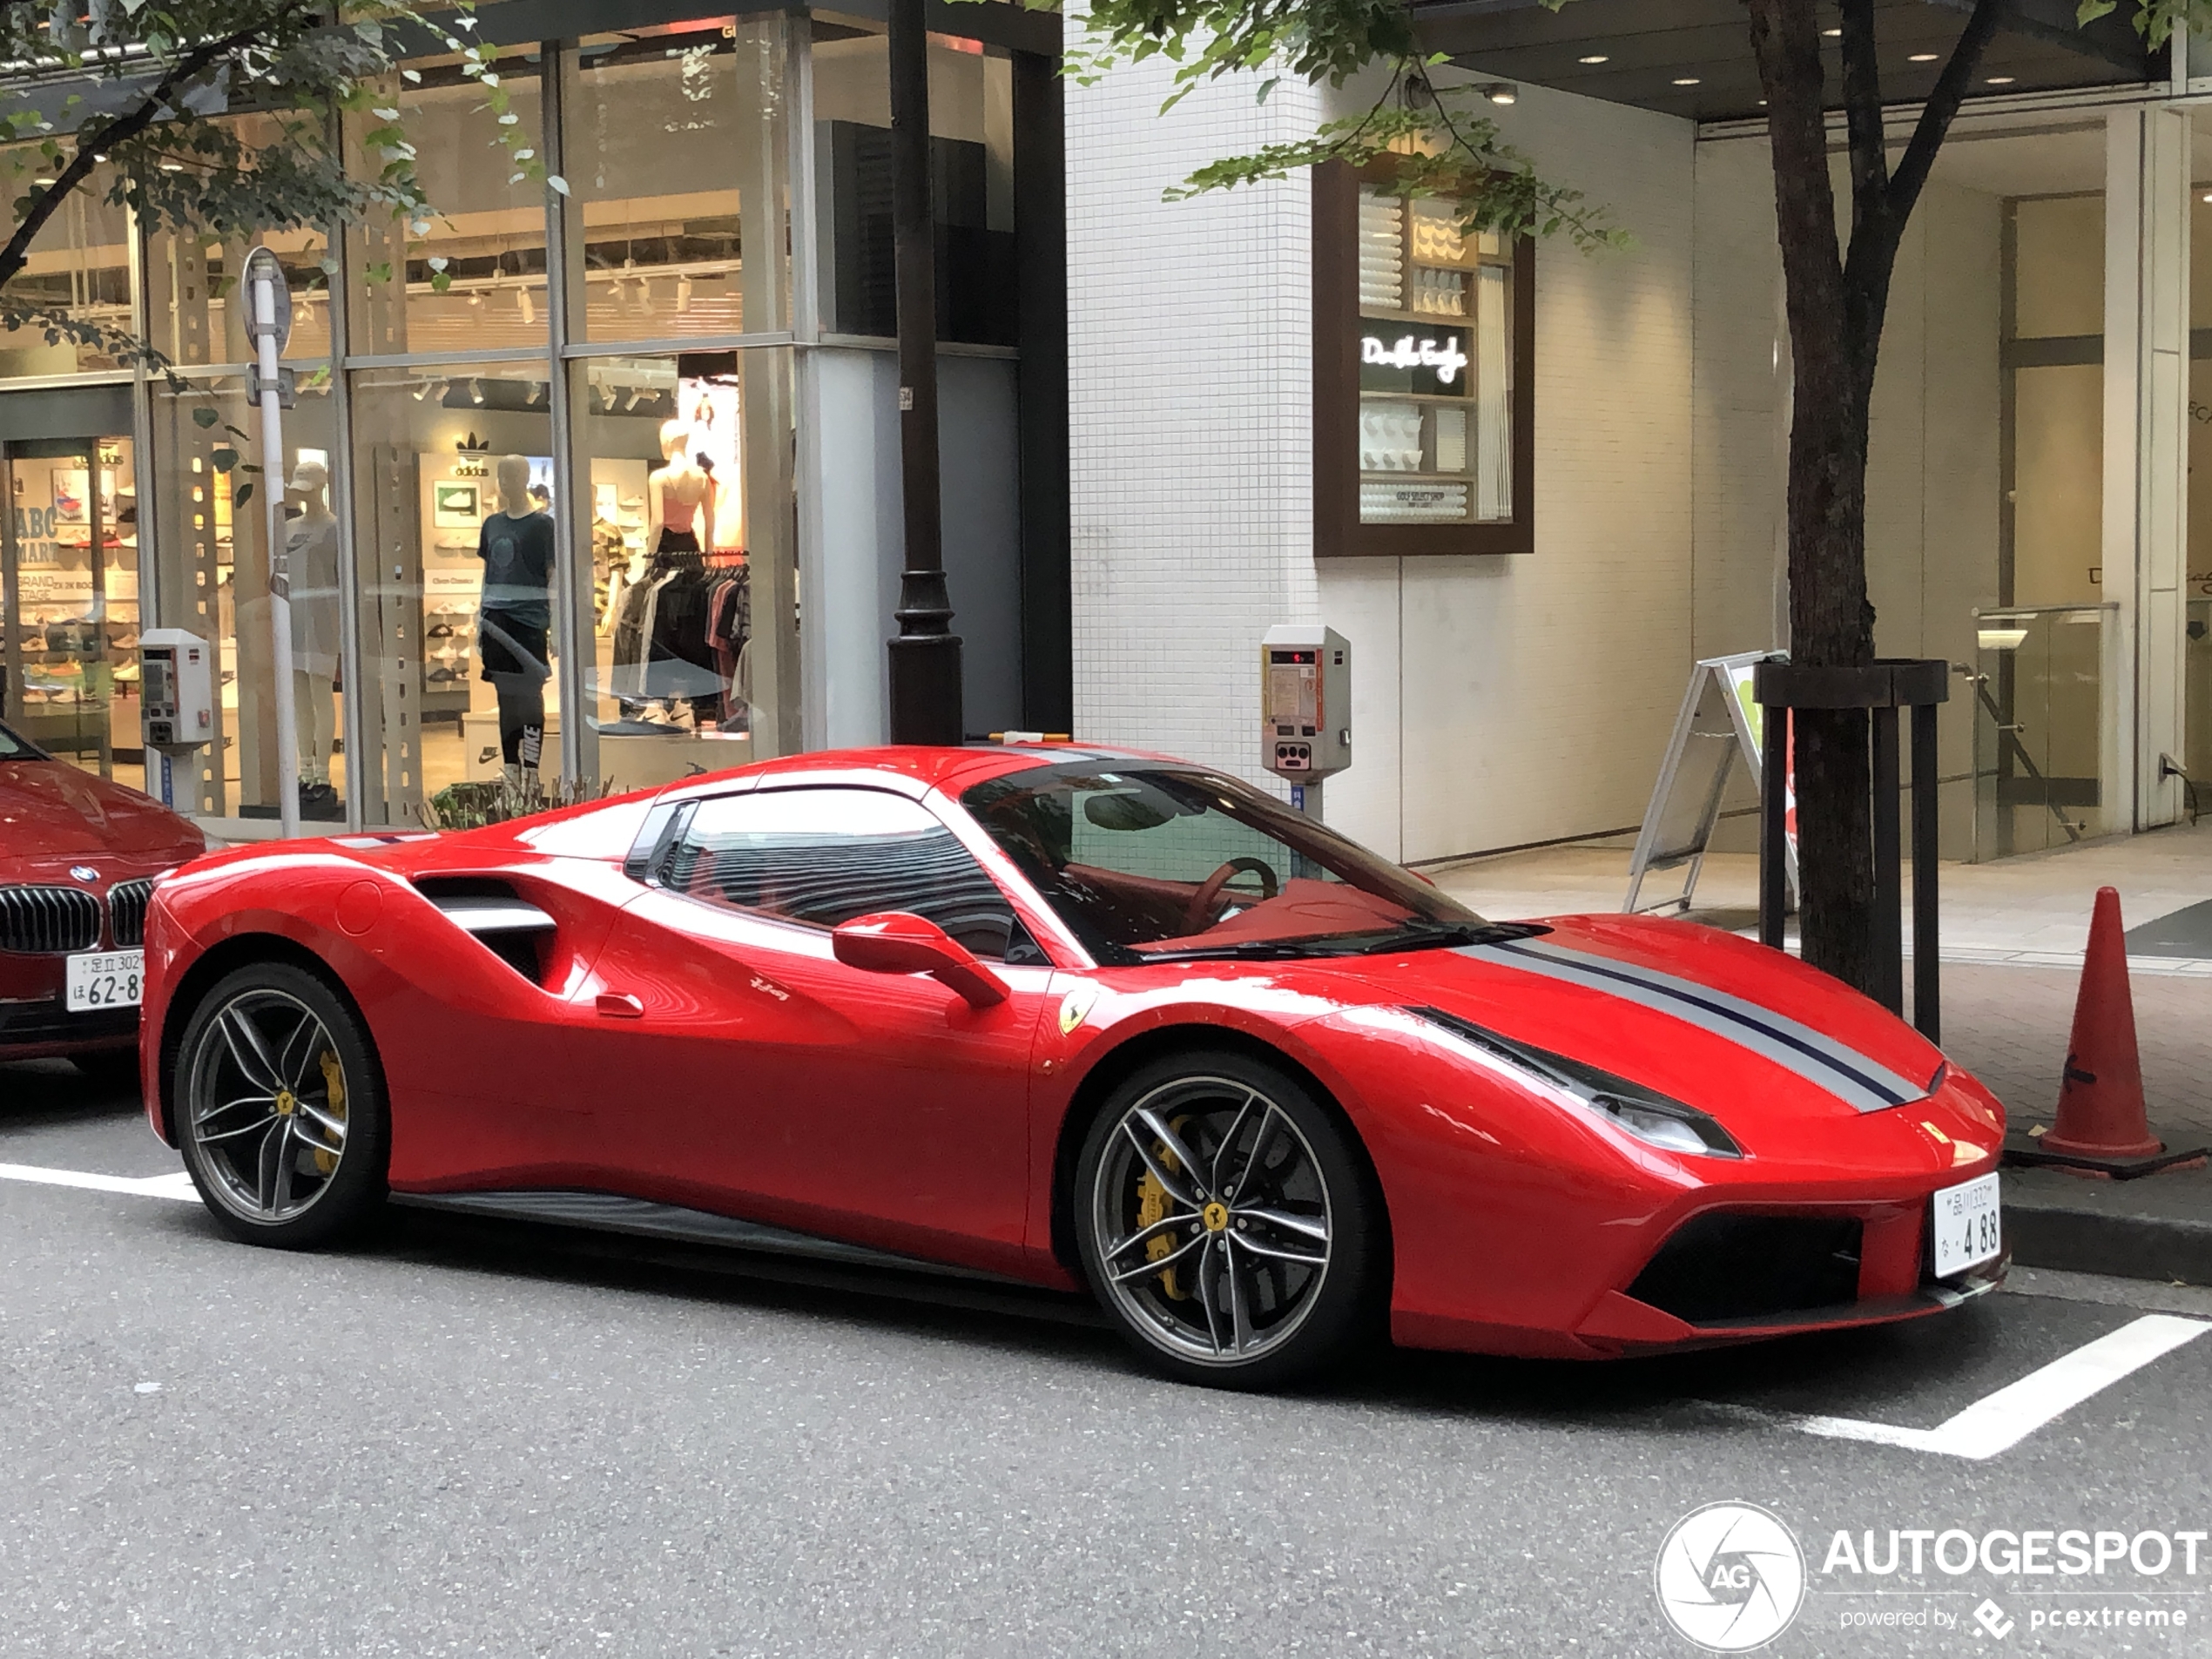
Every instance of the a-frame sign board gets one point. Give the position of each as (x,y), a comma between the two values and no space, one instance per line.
(1719,725)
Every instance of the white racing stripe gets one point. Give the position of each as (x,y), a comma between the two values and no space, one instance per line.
(2003,1419)
(1819,1058)
(177,1185)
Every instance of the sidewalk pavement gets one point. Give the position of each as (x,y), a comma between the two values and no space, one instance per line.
(2014,933)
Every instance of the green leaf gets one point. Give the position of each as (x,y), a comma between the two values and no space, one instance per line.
(205,417)
(224,458)
(242,495)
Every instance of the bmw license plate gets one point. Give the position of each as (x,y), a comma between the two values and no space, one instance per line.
(98,980)
(1968,1226)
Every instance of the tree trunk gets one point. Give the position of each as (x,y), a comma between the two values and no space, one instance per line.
(1830,624)
(1836,302)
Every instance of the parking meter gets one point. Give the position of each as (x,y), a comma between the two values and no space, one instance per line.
(1306,708)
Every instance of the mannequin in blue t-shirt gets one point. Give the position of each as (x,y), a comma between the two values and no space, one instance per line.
(515,625)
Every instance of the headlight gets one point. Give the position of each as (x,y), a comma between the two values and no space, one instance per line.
(1645,1113)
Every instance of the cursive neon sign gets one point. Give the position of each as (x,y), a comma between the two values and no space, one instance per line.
(1448,360)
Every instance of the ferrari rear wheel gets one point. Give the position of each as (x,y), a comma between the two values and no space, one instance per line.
(278,1110)
(1225,1222)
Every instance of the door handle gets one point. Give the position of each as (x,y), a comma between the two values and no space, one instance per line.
(620,1005)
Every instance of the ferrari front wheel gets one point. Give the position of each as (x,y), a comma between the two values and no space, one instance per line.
(1225,1220)
(278,1108)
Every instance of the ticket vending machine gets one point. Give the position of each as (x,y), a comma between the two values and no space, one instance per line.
(177,699)
(1306,708)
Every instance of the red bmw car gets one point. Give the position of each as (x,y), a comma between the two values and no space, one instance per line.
(78,857)
(1077,1018)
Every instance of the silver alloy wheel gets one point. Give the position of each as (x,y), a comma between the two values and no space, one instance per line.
(265,1106)
(1212,1219)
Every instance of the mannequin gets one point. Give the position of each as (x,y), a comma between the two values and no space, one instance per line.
(514,626)
(311,551)
(675,495)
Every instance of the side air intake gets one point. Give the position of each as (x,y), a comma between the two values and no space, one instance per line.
(498,918)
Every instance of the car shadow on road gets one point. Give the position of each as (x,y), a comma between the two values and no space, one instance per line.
(42,1094)
(1930,1362)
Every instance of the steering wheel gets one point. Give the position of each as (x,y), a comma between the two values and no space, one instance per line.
(1202,902)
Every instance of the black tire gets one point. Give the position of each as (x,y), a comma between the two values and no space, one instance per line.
(249,1166)
(1254,1312)
(109,1068)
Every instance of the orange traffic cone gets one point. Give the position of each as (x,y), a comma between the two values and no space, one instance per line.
(2102,1128)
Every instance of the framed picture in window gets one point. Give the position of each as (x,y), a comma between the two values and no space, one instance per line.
(1424,346)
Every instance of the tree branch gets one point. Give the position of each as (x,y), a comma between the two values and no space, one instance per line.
(1943,103)
(91,146)
(1869,163)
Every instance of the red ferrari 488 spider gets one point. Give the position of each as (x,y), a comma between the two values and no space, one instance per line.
(1075,1018)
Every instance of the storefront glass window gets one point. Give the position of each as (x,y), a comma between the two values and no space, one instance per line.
(469,274)
(214,581)
(689,520)
(193,312)
(80,264)
(453,487)
(69,601)
(678,167)
(971,142)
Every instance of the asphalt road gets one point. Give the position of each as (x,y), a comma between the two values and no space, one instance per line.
(479,1438)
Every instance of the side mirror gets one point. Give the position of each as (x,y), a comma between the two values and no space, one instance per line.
(895,942)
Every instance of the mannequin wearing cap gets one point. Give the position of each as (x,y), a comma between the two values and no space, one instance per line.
(515,625)
(311,550)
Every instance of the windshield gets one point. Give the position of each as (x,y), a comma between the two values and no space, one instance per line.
(1150,863)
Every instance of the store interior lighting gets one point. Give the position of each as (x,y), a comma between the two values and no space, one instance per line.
(476,391)
(522,304)
(1501,93)
(683,294)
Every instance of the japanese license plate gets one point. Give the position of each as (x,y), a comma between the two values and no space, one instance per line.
(1968,1226)
(105,979)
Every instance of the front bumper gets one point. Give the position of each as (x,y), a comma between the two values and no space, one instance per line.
(31,1028)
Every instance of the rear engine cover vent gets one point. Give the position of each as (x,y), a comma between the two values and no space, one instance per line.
(1719,1268)
(499,919)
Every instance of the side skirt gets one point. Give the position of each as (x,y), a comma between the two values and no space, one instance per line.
(613,1213)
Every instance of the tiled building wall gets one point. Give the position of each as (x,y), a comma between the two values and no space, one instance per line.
(1190,413)
(1528,698)
(1495,700)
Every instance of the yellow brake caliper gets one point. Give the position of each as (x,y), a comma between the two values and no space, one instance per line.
(334,1080)
(1152,1202)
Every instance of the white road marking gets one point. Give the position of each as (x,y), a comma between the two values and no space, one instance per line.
(177,1185)
(2003,1419)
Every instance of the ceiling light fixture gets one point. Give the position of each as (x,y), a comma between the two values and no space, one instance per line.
(1502,92)
(683,294)
(1921,57)
(423,390)
(1685,80)
(1831,34)
(1594,58)
(1999,80)
(524,304)
(476,391)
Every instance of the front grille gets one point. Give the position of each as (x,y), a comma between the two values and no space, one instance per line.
(45,921)
(1717,1267)
(127,912)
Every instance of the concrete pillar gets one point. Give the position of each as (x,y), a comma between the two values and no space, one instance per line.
(2146,511)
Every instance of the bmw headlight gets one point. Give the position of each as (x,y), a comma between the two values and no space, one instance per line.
(1657,1119)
